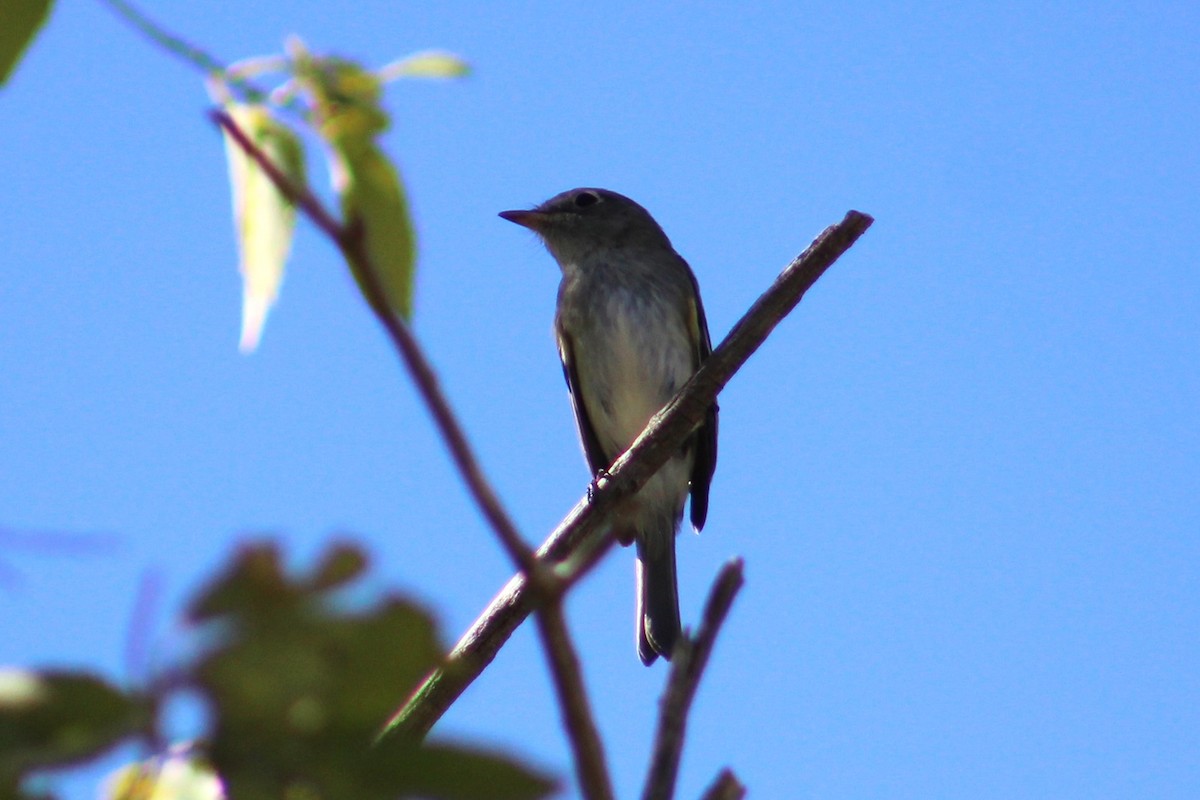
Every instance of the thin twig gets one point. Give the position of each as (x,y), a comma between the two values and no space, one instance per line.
(725,787)
(350,242)
(588,749)
(691,656)
(181,48)
(663,435)
(156,33)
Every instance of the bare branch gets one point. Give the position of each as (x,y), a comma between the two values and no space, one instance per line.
(725,787)
(690,658)
(663,435)
(573,701)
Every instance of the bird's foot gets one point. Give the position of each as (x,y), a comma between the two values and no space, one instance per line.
(594,486)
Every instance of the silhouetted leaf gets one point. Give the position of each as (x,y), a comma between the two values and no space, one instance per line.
(456,772)
(57,718)
(299,687)
(19,23)
(264,219)
(340,564)
(252,584)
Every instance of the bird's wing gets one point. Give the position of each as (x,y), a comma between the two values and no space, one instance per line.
(596,458)
(705,439)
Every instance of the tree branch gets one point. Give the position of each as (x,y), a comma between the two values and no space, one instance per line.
(663,436)
(725,787)
(690,658)
(585,740)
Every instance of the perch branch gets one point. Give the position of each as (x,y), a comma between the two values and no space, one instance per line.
(663,435)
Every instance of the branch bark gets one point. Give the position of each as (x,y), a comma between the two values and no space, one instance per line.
(687,666)
(725,787)
(663,435)
(587,747)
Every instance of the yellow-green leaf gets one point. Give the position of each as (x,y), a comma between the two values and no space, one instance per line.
(374,205)
(426,64)
(264,219)
(344,95)
(19,22)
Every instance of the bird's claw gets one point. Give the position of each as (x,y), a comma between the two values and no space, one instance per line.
(594,486)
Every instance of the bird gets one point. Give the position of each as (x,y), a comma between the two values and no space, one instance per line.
(630,330)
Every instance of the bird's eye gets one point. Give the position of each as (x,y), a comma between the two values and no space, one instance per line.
(585,199)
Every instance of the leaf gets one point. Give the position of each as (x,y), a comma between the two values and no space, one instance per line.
(374,207)
(341,564)
(264,219)
(441,771)
(19,23)
(426,64)
(253,583)
(57,718)
(344,96)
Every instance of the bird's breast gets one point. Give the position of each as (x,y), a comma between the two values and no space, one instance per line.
(633,357)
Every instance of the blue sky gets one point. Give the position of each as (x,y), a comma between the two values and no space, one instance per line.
(964,474)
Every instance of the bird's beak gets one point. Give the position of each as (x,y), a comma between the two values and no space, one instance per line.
(534,220)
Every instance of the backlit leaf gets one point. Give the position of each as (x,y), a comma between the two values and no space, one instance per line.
(375,208)
(264,219)
(426,64)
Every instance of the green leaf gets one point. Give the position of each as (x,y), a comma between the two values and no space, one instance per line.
(252,583)
(341,564)
(426,64)
(57,718)
(19,22)
(264,219)
(344,96)
(374,207)
(456,772)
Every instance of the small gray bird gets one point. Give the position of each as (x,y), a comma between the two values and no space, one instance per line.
(631,331)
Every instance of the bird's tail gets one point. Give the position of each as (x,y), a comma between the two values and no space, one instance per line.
(658,598)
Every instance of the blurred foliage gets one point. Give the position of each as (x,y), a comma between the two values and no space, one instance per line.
(58,718)
(298,678)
